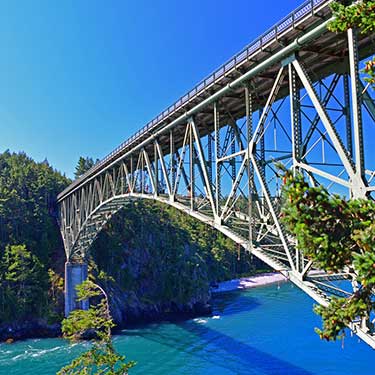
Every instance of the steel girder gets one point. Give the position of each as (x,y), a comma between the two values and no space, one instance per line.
(220,166)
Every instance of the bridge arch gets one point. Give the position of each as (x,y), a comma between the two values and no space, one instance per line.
(113,205)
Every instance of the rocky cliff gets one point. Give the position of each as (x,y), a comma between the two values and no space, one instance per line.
(160,263)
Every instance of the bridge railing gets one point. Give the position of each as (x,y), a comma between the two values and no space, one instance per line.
(274,33)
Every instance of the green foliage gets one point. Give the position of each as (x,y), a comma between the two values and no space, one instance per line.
(341,312)
(83,165)
(364,264)
(334,233)
(369,70)
(96,318)
(21,281)
(102,357)
(164,256)
(306,211)
(28,192)
(359,15)
(55,296)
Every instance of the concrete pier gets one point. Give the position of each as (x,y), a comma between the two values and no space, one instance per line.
(75,274)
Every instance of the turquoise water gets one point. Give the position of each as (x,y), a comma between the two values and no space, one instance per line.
(260,331)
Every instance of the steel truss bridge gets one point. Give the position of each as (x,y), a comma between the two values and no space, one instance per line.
(293,96)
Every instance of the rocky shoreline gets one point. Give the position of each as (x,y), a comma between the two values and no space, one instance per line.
(36,328)
(40,328)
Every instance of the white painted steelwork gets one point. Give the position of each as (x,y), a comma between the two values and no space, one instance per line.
(293,97)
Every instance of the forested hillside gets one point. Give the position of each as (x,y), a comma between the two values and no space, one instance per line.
(160,260)
(30,242)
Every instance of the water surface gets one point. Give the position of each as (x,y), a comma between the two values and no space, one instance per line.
(260,331)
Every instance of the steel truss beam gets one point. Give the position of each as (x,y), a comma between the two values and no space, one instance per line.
(214,165)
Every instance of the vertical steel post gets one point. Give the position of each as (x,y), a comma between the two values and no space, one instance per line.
(156,170)
(122,177)
(347,112)
(209,157)
(295,116)
(142,166)
(172,164)
(249,134)
(131,177)
(262,151)
(233,150)
(217,156)
(356,102)
(295,119)
(114,192)
(192,166)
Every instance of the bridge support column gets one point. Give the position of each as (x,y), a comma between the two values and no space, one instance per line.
(75,274)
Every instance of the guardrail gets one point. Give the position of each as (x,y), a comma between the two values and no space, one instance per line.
(275,32)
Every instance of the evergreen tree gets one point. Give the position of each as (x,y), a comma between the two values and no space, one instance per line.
(28,193)
(83,165)
(102,357)
(356,15)
(334,233)
(22,282)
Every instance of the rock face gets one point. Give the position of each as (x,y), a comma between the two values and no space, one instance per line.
(144,292)
(33,328)
(128,309)
(159,263)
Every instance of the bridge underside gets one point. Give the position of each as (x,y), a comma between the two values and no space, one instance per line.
(299,103)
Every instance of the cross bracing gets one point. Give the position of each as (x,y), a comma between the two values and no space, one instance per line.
(295,97)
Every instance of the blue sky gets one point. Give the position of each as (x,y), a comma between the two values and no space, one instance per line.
(79,77)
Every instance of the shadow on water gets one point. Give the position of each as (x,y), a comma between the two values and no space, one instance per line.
(217,348)
(224,351)
(233,302)
(248,356)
